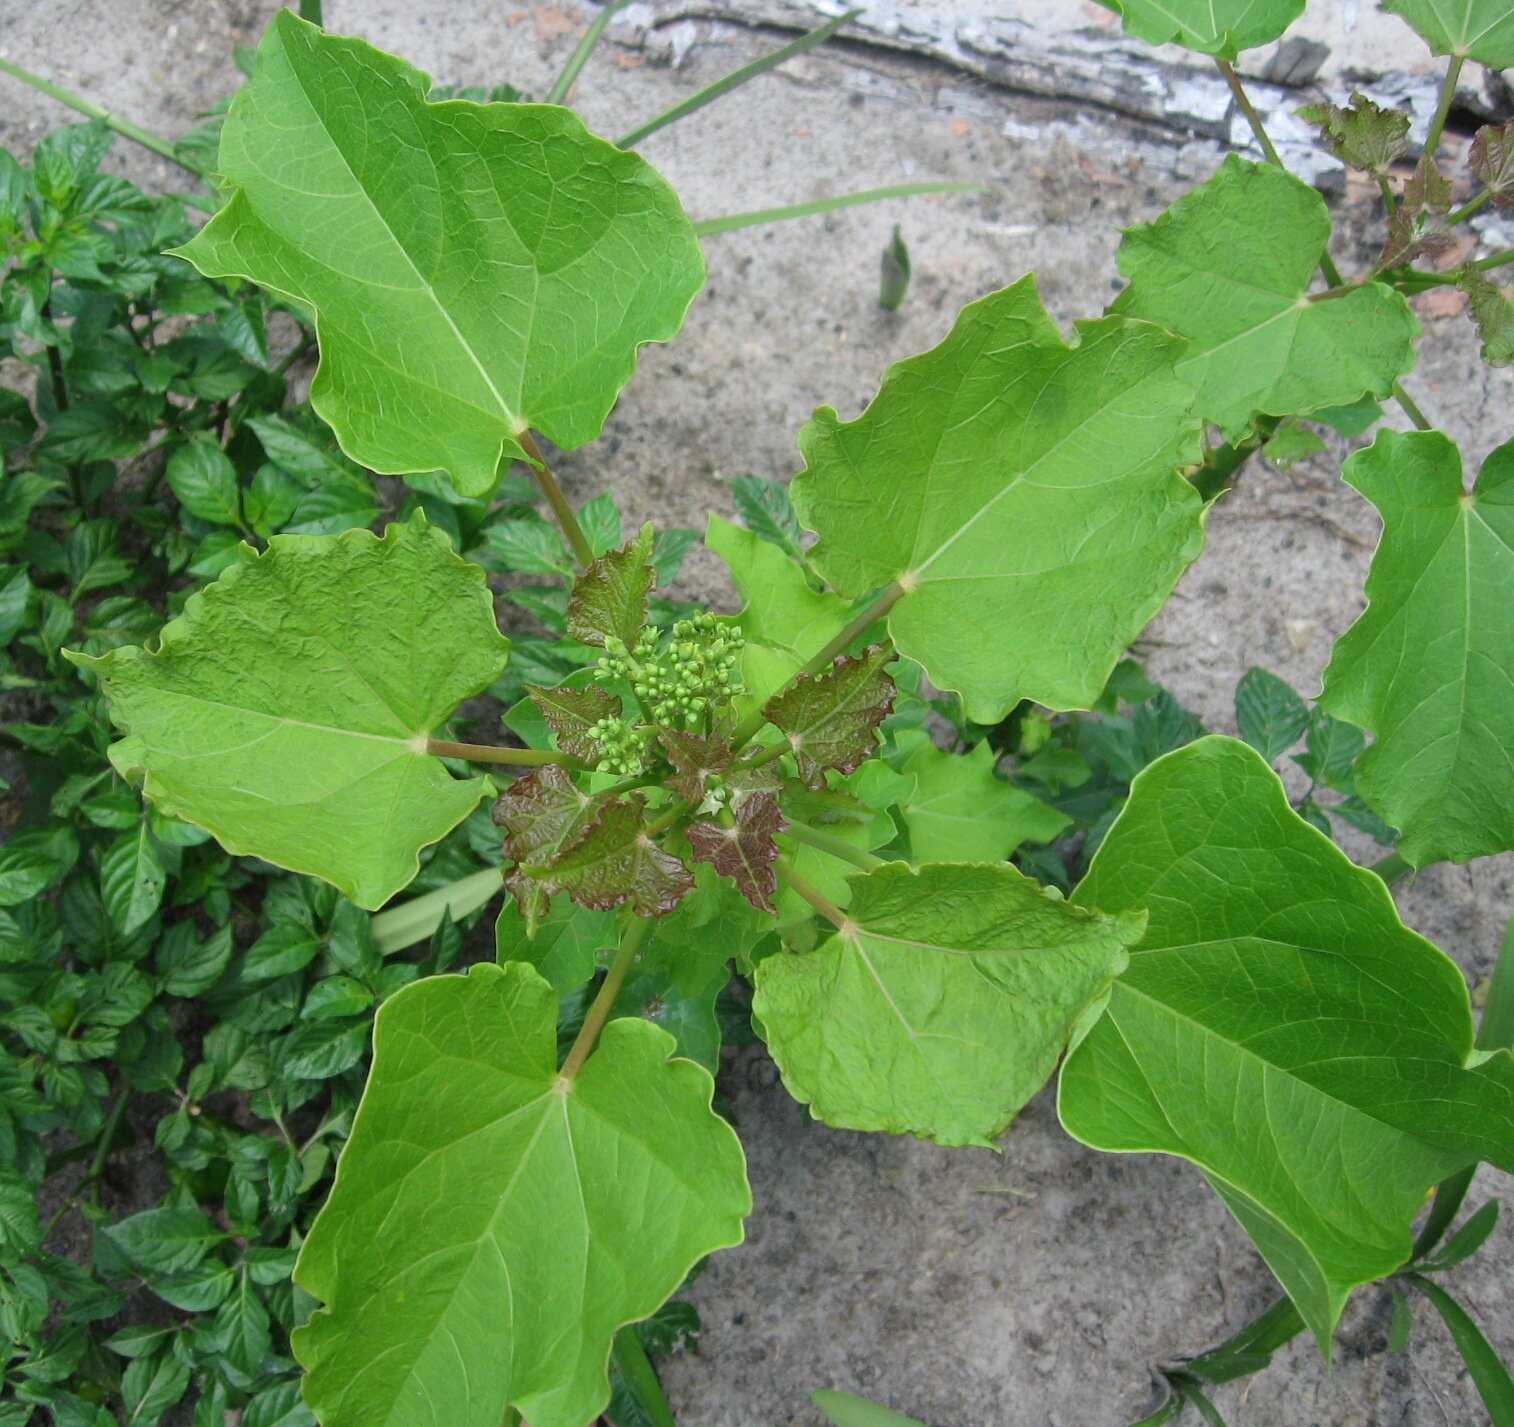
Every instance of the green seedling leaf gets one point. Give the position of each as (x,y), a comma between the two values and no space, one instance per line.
(1271,717)
(1481,30)
(847,1410)
(831,719)
(571,715)
(1216,27)
(1023,494)
(287,709)
(943,1003)
(1466,1240)
(1366,136)
(473,270)
(1491,309)
(1279,1027)
(616,862)
(893,278)
(132,879)
(1290,444)
(1229,267)
(745,852)
(959,808)
(1491,161)
(205,482)
(1426,667)
(609,599)
(475,1174)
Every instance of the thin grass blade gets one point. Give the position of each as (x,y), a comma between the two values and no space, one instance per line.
(1494,1385)
(582,50)
(732,221)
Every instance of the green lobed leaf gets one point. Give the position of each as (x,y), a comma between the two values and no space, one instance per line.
(493,1223)
(831,719)
(286,710)
(958,808)
(473,270)
(615,862)
(1481,30)
(942,1005)
(1428,667)
(1366,135)
(1280,1027)
(1024,494)
(1217,27)
(1229,267)
(745,852)
(609,599)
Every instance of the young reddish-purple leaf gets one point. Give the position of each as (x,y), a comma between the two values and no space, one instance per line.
(1489,307)
(696,761)
(831,719)
(617,862)
(572,713)
(1491,160)
(609,599)
(746,851)
(541,814)
(1365,136)
(1415,229)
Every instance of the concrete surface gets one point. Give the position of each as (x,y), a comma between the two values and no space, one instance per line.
(1032,1288)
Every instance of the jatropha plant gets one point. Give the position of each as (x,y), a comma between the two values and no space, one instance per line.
(536,1164)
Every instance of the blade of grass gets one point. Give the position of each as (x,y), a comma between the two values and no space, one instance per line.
(91,110)
(710,226)
(581,52)
(736,78)
(1494,1385)
(1466,1240)
(1497,1029)
(1448,1196)
(636,1368)
(415,920)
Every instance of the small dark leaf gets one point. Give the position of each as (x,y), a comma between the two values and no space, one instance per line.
(1271,717)
(1489,307)
(1331,750)
(1491,159)
(1414,229)
(744,852)
(831,719)
(1466,1240)
(1365,136)
(1400,1324)
(544,812)
(572,713)
(766,511)
(610,598)
(893,277)
(617,862)
(696,761)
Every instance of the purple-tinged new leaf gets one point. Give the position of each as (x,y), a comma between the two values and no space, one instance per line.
(831,719)
(696,761)
(542,814)
(1415,229)
(1491,160)
(1366,136)
(572,713)
(746,851)
(617,862)
(1489,306)
(609,599)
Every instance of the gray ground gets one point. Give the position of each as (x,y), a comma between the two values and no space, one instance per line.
(1032,1287)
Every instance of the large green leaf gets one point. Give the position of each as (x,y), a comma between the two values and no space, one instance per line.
(1429,667)
(1215,27)
(1280,1027)
(473,269)
(1481,30)
(494,1223)
(1025,495)
(1229,267)
(287,709)
(943,1004)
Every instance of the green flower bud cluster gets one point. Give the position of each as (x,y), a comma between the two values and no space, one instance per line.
(624,744)
(678,682)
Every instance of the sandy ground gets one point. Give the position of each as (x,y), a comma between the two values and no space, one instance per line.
(1035,1286)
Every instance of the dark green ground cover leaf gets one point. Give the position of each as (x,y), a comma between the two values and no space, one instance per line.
(1429,667)
(943,1004)
(1228,266)
(475,1177)
(286,710)
(473,270)
(1280,1027)
(1025,494)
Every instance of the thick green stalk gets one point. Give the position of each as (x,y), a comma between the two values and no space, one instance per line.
(1443,108)
(413,921)
(707,227)
(736,78)
(1411,408)
(489,753)
(822,904)
(835,846)
(90,109)
(599,1011)
(566,519)
(581,52)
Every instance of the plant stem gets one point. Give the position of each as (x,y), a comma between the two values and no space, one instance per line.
(581,52)
(311,10)
(97,1160)
(835,846)
(489,753)
(1470,207)
(630,942)
(557,500)
(637,1371)
(1411,409)
(876,609)
(708,227)
(1390,202)
(670,815)
(88,107)
(1497,1029)
(1447,95)
(1449,1194)
(761,760)
(1391,868)
(1497,260)
(305,344)
(827,909)
(735,78)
